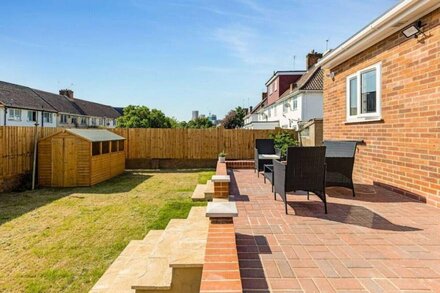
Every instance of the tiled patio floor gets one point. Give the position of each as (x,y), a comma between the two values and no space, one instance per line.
(377,242)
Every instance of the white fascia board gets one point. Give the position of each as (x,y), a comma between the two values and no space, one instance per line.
(279,73)
(392,21)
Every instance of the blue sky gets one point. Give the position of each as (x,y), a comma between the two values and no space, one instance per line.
(176,56)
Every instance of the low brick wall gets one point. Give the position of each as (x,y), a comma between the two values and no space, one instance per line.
(221,189)
(240,164)
(221,271)
(168,163)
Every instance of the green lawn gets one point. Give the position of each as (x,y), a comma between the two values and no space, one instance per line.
(54,240)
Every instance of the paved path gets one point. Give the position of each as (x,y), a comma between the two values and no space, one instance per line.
(377,242)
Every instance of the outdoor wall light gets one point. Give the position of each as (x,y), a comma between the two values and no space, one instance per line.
(331,74)
(413,30)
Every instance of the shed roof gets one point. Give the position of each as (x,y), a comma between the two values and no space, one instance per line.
(95,134)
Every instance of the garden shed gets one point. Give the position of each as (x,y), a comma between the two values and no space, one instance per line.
(80,157)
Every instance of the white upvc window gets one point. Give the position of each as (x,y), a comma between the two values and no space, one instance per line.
(294,103)
(275,111)
(14,114)
(286,107)
(32,116)
(63,119)
(363,94)
(47,117)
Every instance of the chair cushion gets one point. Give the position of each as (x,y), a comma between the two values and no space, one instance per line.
(268,157)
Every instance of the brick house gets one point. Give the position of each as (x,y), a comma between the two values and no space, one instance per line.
(382,87)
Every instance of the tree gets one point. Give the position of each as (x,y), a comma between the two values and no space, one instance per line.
(234,119)
(143,117)
(201,122)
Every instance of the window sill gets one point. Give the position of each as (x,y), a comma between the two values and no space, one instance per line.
(364,120)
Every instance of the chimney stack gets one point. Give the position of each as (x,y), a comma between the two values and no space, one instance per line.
(263,95)
(312,58)
(67,93)
(250,109)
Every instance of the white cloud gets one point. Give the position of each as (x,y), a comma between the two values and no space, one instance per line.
(243,43)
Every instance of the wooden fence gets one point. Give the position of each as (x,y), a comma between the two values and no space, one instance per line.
(17,143)
(190,144)
(16,150)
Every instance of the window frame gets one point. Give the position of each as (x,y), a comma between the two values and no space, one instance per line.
(49,116)
(63,119)
(32,113)
(286,107)
(360,117)
(295,104)
(14,117)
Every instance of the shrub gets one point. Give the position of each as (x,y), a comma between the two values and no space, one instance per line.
(282,140)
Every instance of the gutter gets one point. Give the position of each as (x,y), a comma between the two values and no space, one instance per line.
(388,23)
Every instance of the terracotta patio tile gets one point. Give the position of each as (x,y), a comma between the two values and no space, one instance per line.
(376,242)
(346,284)
(284,283)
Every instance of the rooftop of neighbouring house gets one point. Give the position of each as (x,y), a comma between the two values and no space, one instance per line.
(284,73)
(18,96)
(379,241)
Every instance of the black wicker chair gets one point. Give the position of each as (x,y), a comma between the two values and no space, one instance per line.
(263,147)
(304,170)
(339,157)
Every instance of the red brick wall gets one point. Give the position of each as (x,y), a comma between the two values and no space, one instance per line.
(221,271)
(221,189)
(403,150)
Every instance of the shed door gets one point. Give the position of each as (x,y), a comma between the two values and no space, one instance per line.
(64,162)
(70,162)
(57,161)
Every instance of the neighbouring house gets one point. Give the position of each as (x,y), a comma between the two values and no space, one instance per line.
(382,88)
(24,106)
(255,118)
(291,99)
(21,106)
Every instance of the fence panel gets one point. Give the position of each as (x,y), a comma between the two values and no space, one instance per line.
(17,144)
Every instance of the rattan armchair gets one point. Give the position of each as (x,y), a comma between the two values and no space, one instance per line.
(304,170)
(340,156)
(265,152)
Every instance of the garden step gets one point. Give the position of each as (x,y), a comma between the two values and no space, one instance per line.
(152,236)
(170,259)
(203,192)
(180,247)
(196,213)
(209,188)
(199,193)
(157,276)
(128,266)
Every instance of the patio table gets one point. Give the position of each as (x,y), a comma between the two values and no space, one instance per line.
(268,173)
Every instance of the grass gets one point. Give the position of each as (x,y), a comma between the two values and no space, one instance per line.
(54,240)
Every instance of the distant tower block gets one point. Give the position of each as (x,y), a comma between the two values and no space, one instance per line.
(195,115)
